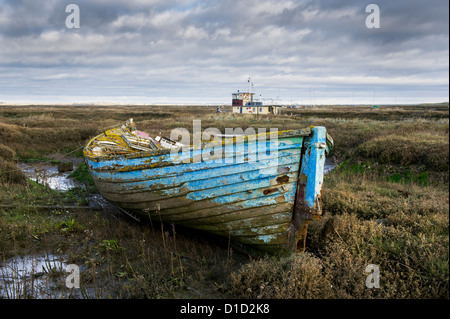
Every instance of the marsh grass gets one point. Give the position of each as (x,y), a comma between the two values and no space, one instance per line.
(426,149)
(385,204)
(299,276)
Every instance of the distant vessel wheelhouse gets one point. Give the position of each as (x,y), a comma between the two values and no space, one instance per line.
(242,98)
(242,102)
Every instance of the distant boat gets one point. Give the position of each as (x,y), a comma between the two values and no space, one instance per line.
(258,191)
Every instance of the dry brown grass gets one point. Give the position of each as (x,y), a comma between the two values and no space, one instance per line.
(419,148)
(299,276)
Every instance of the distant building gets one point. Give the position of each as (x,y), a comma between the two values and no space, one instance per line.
(242,102)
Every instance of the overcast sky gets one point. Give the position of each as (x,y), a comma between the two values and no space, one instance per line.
(184,51)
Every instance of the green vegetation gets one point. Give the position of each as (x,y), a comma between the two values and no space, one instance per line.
(386,203)
(81,174)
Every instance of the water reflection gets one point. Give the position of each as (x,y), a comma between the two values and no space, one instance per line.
(30,276)
(48,175)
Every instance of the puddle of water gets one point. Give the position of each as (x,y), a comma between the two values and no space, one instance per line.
(43,277)
(33,276)
(329,165)
(48,175)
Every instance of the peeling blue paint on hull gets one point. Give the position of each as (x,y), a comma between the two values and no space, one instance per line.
(264,200)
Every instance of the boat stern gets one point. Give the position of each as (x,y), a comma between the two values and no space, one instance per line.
(308,198)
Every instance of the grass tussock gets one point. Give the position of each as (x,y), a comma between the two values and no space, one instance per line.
(422,148)
(9,173)
(299,276)
(412,265)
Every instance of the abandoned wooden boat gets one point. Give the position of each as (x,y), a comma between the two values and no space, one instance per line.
(259,190)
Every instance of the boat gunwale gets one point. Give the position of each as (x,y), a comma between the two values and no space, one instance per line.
(158,152)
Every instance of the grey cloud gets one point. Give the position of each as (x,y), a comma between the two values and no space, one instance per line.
(154,46)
